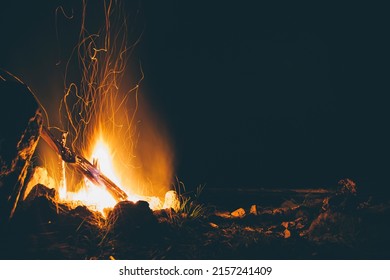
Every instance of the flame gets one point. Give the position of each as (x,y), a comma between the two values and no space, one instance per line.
(102,157)
(95,196)
(91,195)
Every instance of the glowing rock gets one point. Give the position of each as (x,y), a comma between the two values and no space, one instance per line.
(39,176)
(239,213)
(253,210)
(172,200)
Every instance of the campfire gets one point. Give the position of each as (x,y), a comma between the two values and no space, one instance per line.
(101,152)
(99,191)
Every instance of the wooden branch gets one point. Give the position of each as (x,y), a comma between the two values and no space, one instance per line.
(20,126)
(83,165)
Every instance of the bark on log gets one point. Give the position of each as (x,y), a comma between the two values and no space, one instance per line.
(20,126)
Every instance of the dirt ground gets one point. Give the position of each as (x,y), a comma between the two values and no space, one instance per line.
(306,225)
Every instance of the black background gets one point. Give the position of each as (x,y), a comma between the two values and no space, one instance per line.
(253,95)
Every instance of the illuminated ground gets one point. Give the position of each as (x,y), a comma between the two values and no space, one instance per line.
(302,227)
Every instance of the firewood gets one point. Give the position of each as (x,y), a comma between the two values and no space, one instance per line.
(82,165)
(20,125)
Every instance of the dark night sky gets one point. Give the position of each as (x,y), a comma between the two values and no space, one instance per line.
(252,95)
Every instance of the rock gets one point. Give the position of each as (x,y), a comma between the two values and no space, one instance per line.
(40,190)
(335,226)
(20,125)
(289,204)
(82,216)
(344,200)
(253,210)
(285,224)
(239,213)
(164,213)
(172,200)
(251,229)
(347,186)
(36,215)
(222,214)
(132,220)
(39,176)
(213,225)
(82,212)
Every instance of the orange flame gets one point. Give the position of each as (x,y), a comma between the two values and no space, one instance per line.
(96,197)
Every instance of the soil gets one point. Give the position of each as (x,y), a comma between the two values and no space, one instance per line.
(284,224)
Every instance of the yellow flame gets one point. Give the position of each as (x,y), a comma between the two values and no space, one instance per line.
(102,156)
(95,196)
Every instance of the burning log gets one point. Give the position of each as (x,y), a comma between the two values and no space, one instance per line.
(20,124)
(88,169)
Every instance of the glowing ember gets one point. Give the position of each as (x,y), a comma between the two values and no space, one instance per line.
(91,196)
